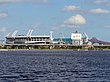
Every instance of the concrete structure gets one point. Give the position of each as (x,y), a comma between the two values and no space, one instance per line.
(28,39)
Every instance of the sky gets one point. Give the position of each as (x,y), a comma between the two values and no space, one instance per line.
(60,16)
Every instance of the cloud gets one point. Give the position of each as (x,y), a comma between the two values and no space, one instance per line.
(3,31)
(104,2)
(3,15)
(107,26)
(15,1)
(71,8)
(101,1)
(74,21)
(77,9)
(99,11)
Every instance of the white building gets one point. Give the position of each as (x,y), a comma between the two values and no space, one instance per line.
(76,38)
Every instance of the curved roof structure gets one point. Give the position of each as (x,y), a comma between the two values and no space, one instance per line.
(95,40)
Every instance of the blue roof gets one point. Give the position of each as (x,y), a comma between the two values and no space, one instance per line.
(68,40)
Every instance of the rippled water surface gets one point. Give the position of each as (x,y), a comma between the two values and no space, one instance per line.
(54,66)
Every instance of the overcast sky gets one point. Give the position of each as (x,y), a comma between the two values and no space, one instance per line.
(60,16)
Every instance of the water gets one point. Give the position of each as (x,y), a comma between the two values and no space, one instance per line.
(55,66)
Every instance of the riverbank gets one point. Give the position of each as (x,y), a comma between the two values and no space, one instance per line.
(54,50)
(55,47)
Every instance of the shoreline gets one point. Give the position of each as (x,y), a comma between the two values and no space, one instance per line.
(53,50)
